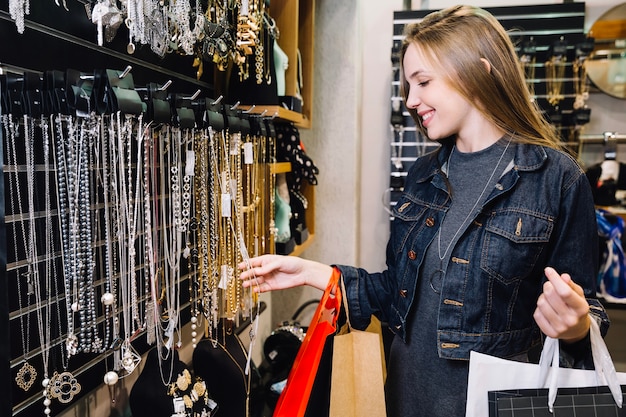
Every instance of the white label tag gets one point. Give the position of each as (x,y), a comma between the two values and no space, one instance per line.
(190,163)
(248,153)
(226,205)
(224,277)
(233,189)
(234,143)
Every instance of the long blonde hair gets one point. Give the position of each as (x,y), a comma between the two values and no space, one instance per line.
(455,40)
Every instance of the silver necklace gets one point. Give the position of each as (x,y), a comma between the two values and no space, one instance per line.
(27,374)
(462,226)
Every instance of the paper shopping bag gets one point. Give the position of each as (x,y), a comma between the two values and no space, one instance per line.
(357,382)
(488,373)
(357,386)
(295,396)
(570,402)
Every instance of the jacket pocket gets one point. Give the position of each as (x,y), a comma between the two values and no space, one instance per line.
(514,240)
(407,214)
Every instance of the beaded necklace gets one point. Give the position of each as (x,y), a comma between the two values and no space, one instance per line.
(63,386)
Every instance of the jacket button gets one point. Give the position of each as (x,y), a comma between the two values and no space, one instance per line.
(403,293)
(412,255)
(430,222)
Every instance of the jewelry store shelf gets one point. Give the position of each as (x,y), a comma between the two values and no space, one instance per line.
(301,248)
(283,167)
(280,167)
(279,112)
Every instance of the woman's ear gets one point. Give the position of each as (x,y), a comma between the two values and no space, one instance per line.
(487,64)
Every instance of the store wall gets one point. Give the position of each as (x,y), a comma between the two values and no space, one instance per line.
(350,138)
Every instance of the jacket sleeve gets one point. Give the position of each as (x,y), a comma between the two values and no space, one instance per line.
(575,251)
(368,294)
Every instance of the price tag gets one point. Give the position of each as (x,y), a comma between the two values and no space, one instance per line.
(226,205)
(190,163)
(248,153)
(224,277)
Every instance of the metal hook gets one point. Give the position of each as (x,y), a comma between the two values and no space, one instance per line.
(263,113)
(194,96)
(217,100)
(234,106)
(167,84)
(250,109)
(125,72)
(275,115)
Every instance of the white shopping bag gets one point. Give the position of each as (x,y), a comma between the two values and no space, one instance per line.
(488,373)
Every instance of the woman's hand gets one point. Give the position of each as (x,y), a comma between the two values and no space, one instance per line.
(274,272)
(562,311)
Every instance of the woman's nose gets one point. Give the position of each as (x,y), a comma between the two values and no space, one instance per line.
(412,100)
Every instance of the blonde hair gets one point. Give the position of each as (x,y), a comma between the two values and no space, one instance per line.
(455,40)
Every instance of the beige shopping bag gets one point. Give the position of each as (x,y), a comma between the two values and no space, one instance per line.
(358,374)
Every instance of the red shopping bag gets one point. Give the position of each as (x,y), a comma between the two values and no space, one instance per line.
(295,396)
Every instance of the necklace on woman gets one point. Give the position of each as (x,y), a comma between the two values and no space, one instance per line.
(463,224)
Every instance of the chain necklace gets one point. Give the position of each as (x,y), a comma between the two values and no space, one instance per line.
(555,72)
(581,85)
(44,317)
(27,374)
(127,233)
(150,260)
(482,193)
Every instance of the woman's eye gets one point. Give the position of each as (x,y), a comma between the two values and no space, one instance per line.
(422,84)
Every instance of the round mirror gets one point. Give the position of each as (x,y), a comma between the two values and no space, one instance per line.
(606,65)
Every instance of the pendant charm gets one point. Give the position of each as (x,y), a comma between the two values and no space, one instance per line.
(111,378)
(26,376)
(130,358)
(71,344)
(63,387)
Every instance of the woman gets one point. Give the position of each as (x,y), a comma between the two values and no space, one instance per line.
(494,240)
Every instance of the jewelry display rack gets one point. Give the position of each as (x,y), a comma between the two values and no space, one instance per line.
(50,217)
(551,45)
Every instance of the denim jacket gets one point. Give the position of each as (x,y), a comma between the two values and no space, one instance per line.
(539,214)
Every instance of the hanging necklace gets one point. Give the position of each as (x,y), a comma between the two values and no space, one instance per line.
(27,374)
(462,226)
(44,318)
(64,386)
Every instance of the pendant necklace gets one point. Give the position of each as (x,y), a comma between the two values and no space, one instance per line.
(63,386)
(27,374)
(127,233)
(467,217)
(44,319)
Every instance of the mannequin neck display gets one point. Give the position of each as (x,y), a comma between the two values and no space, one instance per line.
(149,395)
(281,62)
(221,363)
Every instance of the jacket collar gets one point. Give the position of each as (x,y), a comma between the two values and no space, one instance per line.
(527,158)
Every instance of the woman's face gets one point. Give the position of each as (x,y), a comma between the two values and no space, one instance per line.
(442,110)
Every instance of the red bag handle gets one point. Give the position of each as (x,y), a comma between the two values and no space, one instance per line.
(295,396)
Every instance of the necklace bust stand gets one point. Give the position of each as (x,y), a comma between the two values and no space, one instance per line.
(221,363)
(149,395)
